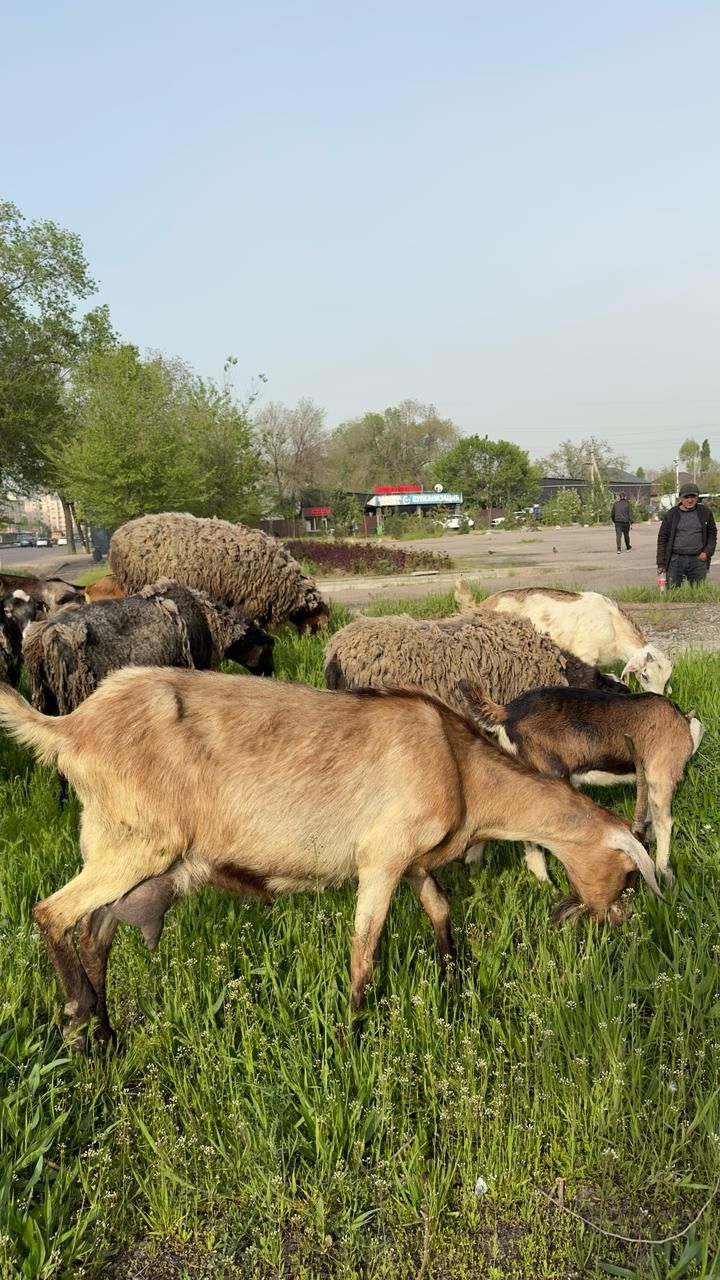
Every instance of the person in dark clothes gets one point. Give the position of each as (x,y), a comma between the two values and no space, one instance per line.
(621,516)
(686,539)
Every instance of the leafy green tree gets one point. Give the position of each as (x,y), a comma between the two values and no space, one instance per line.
(150,436)
(43,278)
(689,454)
(563,508)
(346,511)
(398,446)
(597,500)
(490,473)
(705,459)
(665,481)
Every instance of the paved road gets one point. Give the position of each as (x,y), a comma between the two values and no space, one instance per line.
(582,557)
(45,562)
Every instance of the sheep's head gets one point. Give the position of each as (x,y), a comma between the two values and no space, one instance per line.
(651,666)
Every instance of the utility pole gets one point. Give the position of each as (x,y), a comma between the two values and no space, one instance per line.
(676,464)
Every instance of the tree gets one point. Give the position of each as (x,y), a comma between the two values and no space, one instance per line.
(292,445)
(346,512)
(398,446)
(705,459)
(575,461)
(689,453)
(43,276)
(597,499)
(150,436)
(490,473)
(665,481)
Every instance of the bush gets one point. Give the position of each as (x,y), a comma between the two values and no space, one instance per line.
(562,509)
(360,558)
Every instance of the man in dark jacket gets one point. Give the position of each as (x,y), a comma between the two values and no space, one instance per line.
(621,516)
(686,539)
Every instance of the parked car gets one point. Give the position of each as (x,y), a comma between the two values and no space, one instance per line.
(498,520)
(457,522)
(61,542)
(43,542)
(26,541)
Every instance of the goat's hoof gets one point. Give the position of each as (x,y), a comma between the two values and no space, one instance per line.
(75,1035)
(103,1036)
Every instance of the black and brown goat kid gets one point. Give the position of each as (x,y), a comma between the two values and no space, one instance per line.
(601,738)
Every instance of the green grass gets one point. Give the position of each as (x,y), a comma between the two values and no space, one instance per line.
(240,1131)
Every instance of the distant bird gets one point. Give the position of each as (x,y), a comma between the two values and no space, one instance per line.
(491,553)
(555,550)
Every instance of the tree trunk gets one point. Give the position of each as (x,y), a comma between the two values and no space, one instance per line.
(82,530)
(69,527)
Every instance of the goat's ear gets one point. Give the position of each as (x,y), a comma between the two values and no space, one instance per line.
(471,693)
(689,715)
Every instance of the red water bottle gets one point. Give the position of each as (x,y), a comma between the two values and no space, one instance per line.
(662,579)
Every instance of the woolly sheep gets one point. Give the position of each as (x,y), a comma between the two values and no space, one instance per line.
(505,656)
(585,623)
(232,563)
(68,654)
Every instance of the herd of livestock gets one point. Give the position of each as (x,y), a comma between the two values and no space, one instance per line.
(430,738)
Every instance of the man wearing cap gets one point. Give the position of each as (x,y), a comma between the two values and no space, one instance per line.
(686,539)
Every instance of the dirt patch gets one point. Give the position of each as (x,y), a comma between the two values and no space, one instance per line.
(674,627)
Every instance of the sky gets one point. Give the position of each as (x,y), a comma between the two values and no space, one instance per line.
(510,211)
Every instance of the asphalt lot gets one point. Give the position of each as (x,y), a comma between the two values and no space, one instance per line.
(497,559)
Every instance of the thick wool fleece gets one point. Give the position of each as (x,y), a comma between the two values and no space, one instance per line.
(233,564)
(504,656)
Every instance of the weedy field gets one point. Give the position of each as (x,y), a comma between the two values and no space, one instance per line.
(241,1132)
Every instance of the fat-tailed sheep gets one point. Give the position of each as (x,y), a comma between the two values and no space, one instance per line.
(505,656)
(69,653)
(234,564)
(189,778)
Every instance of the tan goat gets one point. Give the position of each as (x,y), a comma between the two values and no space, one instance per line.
(189,778)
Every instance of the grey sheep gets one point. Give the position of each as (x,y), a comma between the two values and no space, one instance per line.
(506,656)
(234,564)
(165,625)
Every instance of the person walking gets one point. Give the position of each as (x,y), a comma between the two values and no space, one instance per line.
(621,516)
(686,539)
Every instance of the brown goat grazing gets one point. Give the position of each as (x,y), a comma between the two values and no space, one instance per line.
(600,738)
(189,778)
(105,588)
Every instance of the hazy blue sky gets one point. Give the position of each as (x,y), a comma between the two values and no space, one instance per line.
(509,210)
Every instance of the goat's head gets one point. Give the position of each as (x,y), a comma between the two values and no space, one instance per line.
(651,666)
(19,610)
(311,617)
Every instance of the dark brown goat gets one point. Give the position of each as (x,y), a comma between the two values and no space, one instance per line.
(600,738)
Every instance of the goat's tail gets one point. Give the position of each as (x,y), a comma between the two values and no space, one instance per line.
(464,598)
(43,734)
(489,715)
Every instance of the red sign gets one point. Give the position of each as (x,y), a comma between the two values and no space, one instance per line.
(317,511)
(398,488)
